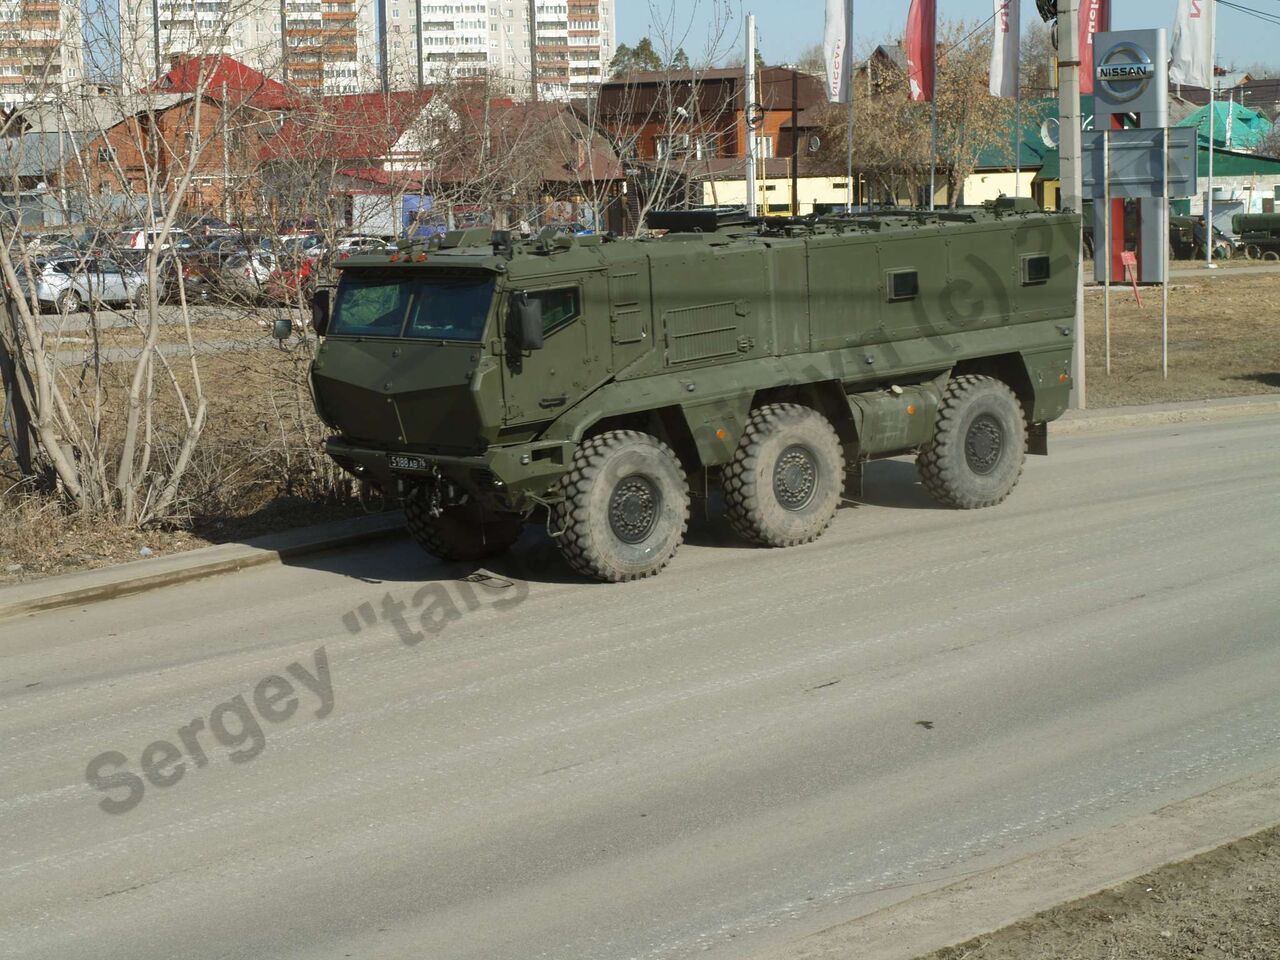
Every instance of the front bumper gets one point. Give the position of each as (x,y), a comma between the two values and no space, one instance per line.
(512,477)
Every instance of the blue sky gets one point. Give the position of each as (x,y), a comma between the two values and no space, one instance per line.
(787,27)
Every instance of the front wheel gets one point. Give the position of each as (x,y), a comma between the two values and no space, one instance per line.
(784,483)
(462,532)
(624,508)
(979,444)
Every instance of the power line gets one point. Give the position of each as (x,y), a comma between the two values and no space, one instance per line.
(1252,12)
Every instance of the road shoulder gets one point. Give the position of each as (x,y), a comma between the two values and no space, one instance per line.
(1005,895)
(106,583)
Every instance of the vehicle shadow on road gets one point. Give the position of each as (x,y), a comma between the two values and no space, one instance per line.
(892,483)
(535,558)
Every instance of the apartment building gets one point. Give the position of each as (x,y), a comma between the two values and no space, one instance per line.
(41,49)
(573,41)
(319,46)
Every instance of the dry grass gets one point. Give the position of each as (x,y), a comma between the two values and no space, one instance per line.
(1223,905)
(1223,341)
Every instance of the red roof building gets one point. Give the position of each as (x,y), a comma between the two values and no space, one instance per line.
(227,80)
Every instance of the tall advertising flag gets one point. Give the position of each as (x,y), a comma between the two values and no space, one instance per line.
(1095,15)
(1192,46)
(1004,49)
(835,45)
(922,20)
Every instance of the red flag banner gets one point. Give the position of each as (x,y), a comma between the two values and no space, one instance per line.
(922,20)
(1095,16)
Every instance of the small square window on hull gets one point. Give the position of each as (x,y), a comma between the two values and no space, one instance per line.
(901,285)
(1035,269)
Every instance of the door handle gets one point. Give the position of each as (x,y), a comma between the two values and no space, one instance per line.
(546,403)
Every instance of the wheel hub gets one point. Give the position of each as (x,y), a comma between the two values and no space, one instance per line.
(795,478)
(983,444)
(633,508)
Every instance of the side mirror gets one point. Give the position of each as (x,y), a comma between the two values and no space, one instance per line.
(320,308)
(282,328)
(528,322)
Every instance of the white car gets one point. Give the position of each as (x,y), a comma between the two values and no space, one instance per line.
(245,274)
(70,284)
(148,238)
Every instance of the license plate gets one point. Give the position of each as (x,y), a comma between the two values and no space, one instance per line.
(406,461)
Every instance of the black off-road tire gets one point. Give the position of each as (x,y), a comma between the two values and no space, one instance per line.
(784,483)
(1252,251)
(460,533)
(979,444)
(625,507)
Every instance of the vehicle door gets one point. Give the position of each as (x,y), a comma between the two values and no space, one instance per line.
(110,282)
(539,384)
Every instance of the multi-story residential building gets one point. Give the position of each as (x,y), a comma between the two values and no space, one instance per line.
(320,46)
(574,41)
(41,49)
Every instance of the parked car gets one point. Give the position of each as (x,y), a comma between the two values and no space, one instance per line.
(71,283)
(244,275)
(360,243)
(170,264)
(146,238)
(206,227)
(291,280)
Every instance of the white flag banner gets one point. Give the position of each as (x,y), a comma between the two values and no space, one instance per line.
(1192,46)
(1004,49)
(835,49)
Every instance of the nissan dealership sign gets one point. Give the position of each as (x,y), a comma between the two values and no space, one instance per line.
(1130,71)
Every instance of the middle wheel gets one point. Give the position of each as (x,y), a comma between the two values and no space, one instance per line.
(784,483)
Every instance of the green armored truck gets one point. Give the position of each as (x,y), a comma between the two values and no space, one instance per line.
(604,384)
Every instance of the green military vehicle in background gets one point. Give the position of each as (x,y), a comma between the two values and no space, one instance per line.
(602,384)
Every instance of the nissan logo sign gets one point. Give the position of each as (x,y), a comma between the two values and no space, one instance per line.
(1125,72)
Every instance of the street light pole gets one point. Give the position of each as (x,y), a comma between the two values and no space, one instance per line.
(1072,183)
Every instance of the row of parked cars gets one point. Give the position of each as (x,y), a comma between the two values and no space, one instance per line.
(201,260)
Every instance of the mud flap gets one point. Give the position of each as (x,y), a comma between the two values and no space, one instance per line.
(1038,439)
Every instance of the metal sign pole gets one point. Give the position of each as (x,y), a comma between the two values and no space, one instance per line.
(1106,239)
(1164,292)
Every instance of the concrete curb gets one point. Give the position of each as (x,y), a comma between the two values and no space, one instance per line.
(1193,411)
(996,898)
(137,576)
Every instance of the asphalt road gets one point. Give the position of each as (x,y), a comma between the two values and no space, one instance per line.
(753,746)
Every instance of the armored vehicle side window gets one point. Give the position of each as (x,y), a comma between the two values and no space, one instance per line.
(558,307)
(1035,269)
(450,308)
(370,306)
(902,284)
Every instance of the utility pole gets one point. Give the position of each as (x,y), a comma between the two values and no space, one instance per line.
(284,41)
(795,142)
(533,49)
(155,37)
(748,102)
(422,76)
(1069,148)
(384,75)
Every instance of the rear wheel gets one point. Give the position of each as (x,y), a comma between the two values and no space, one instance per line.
(69,302)
(462,532)
(1271,256)
(979,444)
(625,507)
(784,483)
(140,296)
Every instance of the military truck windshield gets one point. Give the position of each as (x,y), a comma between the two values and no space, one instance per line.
(391,305)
